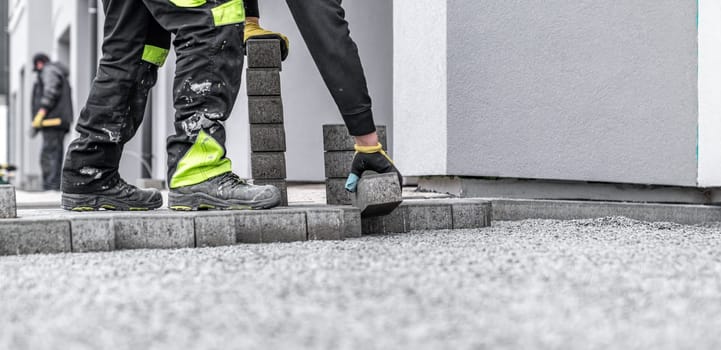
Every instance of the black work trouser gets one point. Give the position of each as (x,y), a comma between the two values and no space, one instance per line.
(207,80)
(325,31)
(51,158)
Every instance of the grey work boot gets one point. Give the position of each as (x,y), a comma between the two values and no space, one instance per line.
(227,191)
(122,196)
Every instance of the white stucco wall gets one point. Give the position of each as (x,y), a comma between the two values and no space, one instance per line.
(709,125)
(581,91)
(420,88)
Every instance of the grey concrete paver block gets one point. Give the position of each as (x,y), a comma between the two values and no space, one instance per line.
(263,53)
(395,222)
(263,82)
(214,230)
(281,184)
(154,231)
(265,109)
(377,194)
(8,205)
(352,222)
(432,214)
(270,226)
(267,138)
(268,165)
(471,213)
(338,163)
(428,215)
(351,217)
(325,224)
(335,193)
(34,236)
(92,233)
(337,138)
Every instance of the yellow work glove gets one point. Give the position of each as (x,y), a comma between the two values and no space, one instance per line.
(38,120)
(255,31)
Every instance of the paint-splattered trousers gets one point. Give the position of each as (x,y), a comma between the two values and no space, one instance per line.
(209,49)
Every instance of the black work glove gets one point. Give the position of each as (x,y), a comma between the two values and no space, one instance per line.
(372,158)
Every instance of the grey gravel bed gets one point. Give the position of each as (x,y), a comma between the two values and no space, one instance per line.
(592,284)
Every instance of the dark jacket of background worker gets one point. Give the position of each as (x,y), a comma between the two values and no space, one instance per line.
(52,115)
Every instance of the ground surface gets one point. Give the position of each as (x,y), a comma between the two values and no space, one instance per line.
(607,283)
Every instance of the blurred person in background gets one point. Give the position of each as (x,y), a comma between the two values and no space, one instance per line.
(53,116)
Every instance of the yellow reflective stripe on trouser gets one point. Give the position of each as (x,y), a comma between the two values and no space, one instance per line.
(204,160)
(188,3)
(155,55)
(232,12)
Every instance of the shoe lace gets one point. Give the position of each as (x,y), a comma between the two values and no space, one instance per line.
(232,179)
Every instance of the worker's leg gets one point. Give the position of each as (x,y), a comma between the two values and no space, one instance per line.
(209,47)
(134,45)
(325,31)
(51,158)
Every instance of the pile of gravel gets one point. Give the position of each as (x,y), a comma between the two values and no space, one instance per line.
(592,284)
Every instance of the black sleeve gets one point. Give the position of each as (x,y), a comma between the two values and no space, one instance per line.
(251,8)
(52,87)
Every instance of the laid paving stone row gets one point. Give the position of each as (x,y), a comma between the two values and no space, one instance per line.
(433,214)
(58,231)
(8,205)
(339,150)
(265,111)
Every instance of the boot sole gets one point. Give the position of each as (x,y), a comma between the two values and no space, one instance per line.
(202,201)
(90,202)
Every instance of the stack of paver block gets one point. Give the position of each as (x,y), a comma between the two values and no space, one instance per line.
(339,152)
(265,111)
(8,206)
